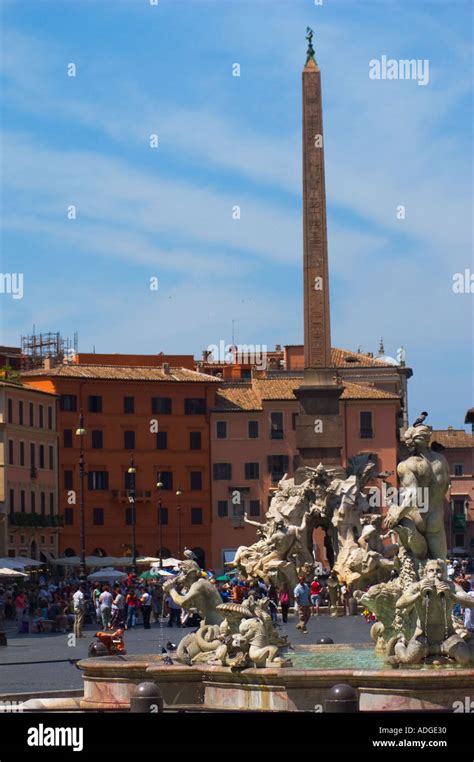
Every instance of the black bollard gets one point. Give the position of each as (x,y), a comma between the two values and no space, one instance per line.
(343,698)
(353,607)
(324,641)
(147,699)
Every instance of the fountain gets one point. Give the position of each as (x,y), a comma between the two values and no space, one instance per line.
(422,657)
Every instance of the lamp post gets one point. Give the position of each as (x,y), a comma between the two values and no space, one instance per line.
(178,495)
(159,487)
(81,432)
(131,499)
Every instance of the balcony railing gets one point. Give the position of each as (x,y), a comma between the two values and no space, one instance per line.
(35,520)
(123,495)
(366,433)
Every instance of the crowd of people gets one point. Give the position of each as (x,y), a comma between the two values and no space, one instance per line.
(64,606)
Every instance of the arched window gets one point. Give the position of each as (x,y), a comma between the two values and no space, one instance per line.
(69,552)
(99,552)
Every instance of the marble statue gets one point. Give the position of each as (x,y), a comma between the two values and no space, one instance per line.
(433,598)
(200,594)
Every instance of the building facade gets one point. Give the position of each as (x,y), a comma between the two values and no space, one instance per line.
(159,418)
(29,520)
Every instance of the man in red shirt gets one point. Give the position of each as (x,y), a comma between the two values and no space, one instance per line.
(315,596)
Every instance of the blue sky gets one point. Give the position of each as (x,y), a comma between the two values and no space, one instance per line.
(226,141)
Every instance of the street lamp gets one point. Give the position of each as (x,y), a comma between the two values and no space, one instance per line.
(131,499)
(81,432)
(178,495)
(159,487)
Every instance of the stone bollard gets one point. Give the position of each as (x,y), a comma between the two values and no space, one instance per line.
(324,641)
(147,699)
(343,698)
(353,607)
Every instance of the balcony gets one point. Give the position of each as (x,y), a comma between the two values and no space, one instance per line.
(366,433)
(35,520)
(123,495)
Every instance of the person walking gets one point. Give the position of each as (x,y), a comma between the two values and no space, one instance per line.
(303,599)
(95,600)
(132,606)
(20,608)
(118,609)
(79,608)
(175,612)
(146,608)
(315,596)
(105,602)
(284,599)
(272,596)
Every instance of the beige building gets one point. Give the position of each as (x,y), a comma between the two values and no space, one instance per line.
(29,521)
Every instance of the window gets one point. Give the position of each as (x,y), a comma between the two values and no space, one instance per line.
(22,453)
(222,471)
(162,440)
(32,414)
(294,420)
(129,404)
(67,479)
(98,480)
(129,440)
(366,430)
(68,403)
(253,430)
(276,427)
(97,439)
(129,516)
(222,508)
(458,469)
(221,429)
(98,517)
(254,508)
(10,452)
(50,417)
(194,440)
(12,501)
(95,403)
(41,416)
(41,456)
(458,506)
(196,480)
(20,412)
(10,411)
(32,455)
(166,478)
(277,466)
(33,502)
(43,503)
(194,406)
(162,516)
(161,405)
(67,438)
(51,503)
(246,373)
(196,515)
(51,457)
(252,471)
(68,517)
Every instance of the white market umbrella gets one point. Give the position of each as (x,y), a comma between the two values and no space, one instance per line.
(18,562)
(4,572)
(107,575)
(144,560)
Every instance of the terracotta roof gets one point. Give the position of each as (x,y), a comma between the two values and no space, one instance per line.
(363,392)
(343,358)
(237,398)
(241,397)
(26,388)
(453,438)
(120,373)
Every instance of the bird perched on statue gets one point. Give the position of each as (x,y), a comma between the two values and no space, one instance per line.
(385,474)
(421,418)
(166,659)
(170,646)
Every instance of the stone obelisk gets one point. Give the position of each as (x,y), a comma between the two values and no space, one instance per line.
(319,425)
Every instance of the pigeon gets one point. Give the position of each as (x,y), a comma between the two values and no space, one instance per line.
(186,659)
(421,418)
(384,474)
(170,646)
(167,660)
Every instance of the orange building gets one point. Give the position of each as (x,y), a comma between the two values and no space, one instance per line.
(29,521)
(156,414)
(253,444)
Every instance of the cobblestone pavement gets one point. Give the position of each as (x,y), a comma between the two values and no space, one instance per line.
(19,673)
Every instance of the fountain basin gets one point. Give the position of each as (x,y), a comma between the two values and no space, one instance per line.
(110,681)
